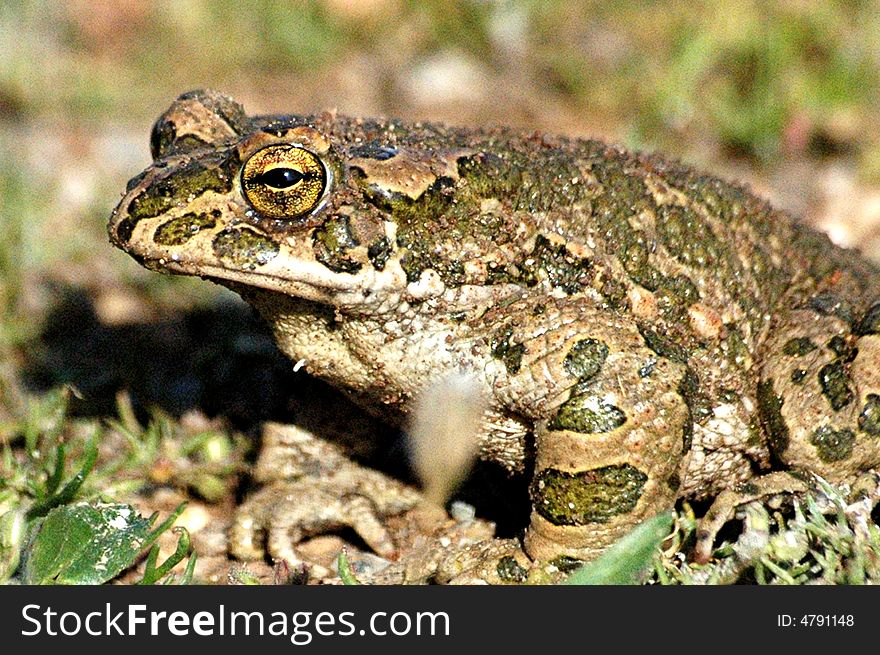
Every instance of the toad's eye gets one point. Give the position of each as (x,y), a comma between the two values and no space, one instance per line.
(283,181)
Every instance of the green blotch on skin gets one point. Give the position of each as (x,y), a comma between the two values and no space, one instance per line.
(770,413)
(839,346)
(515,175)
(869,419)
(870,323)
(696,404)
(728,395)
(379,252)
(833,445)
(646,370)
(747,488)
(332,242)
(566,563)
(179,230)
(830,304)
(798,347)
(413,266)
(756,434)
(633,254)
(510,570)
(663,346)
(243,248)
(509,353)
(593,496)
(125,229)
(737,349)
(615,293)
(587,414)
(425,224)
(450,212)
(564,270)
(674,296)
(681,289)
(585,358)
(736,208)
(162,138)
(186,143)
(687,237)
(183,185)
(834,380)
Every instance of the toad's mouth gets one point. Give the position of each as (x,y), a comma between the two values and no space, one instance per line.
(285,275)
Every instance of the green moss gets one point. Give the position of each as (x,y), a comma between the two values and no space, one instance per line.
(179,230)
(588,414)
(585,358)
(593,496)
(243,248)
(833,445)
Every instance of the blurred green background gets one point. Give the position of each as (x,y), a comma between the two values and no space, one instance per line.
(780,94)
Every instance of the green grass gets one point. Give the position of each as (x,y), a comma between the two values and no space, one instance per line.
(60,476)
(824,538)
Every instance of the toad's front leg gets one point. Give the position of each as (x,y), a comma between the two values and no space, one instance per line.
(611,428)
(311,488)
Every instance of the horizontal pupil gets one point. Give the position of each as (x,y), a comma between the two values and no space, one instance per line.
(281,178)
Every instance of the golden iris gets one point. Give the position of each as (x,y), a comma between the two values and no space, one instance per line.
(283,181)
